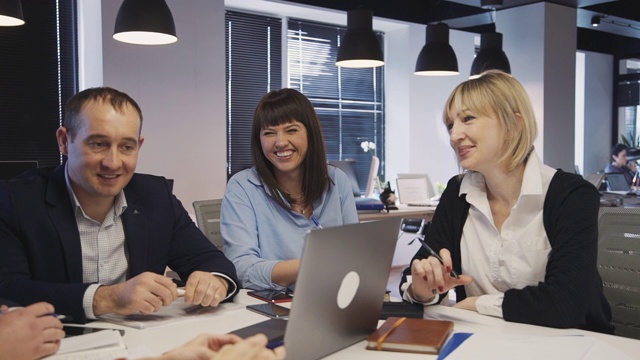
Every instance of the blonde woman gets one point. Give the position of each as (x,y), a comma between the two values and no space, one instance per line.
(522,235)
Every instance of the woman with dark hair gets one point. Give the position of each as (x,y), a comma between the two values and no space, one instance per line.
(268,209)
(522,235)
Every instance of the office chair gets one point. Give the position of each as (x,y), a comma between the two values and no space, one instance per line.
(208,219)
(619,266)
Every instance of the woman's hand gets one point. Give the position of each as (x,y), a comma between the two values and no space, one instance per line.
(467,304)
(431,278)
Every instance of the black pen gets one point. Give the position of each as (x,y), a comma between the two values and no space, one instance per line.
(433,253)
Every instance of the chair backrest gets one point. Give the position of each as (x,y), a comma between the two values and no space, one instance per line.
(619,266)
(208,219)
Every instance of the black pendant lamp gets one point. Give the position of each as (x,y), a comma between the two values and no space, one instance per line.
(145,22)
(490,56)
(437,57)
(360,47)
(11,13)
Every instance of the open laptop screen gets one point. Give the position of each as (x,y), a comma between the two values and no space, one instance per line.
(617,182)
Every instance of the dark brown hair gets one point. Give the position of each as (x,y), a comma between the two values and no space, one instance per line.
(282,107)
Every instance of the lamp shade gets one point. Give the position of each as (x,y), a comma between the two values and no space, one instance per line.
(490,56)
(11,13)
(437,57)
(145,22)
(360,47)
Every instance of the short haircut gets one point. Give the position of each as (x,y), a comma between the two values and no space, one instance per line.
(496,93)
(282,107)
(117,99)
(617,149)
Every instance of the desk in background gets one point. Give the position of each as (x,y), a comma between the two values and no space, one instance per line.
(404,211)
(161,339)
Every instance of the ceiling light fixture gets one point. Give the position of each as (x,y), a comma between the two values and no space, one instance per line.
(490,56)
(11,13)
(145,22)
(595,21)
(437,57)
(360,48)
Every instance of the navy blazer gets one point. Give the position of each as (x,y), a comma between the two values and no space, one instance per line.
(40,251)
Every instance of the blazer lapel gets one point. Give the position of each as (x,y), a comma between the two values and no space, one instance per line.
(62,217)
(135,232)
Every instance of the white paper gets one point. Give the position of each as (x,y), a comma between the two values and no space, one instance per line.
(99,345)
(177,311)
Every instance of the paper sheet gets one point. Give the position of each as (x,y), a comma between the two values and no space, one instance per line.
(98,345)
(177,311)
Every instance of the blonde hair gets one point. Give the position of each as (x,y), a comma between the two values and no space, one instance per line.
(496,93)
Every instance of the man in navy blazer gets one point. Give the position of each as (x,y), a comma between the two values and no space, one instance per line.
(91,237)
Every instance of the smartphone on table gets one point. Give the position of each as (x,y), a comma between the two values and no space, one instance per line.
(271,296)
(271,310)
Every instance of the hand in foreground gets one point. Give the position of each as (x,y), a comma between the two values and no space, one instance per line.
(224,347)
(431,278)
(145,293)
(205,289)
(30,332)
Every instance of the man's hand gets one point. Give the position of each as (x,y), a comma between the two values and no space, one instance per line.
(205,289)
(30,332)
(145,293)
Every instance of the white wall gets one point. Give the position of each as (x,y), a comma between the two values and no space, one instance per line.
(181,90)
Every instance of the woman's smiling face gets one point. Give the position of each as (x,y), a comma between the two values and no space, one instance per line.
(285,146)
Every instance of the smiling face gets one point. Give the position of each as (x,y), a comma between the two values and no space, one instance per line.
(478,140)
(285,146)
(103,153)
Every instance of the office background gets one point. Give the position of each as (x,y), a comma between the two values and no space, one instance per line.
(181,88)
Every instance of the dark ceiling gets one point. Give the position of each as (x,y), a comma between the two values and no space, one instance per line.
(618,32)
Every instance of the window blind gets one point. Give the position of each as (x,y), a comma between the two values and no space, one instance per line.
(349,102)
(38,72)
(253,68)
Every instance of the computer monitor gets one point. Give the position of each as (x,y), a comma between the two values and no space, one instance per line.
(349,168)
(430,191)
(10,169)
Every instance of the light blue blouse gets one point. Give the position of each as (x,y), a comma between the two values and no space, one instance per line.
(258,233)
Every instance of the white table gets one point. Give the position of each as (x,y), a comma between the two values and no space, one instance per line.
(161,339)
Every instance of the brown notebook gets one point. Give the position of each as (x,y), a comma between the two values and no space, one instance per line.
(410,335)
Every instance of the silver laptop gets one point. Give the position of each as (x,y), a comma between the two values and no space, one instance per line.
(596,179)
(340,288)
(414,191)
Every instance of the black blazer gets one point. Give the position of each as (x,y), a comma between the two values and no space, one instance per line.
(40,251)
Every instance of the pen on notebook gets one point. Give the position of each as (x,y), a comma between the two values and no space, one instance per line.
(315,221)
(433,253)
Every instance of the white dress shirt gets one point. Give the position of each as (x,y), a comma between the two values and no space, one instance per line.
(514,257)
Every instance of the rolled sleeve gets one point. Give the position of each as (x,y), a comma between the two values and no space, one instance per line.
(490,305)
